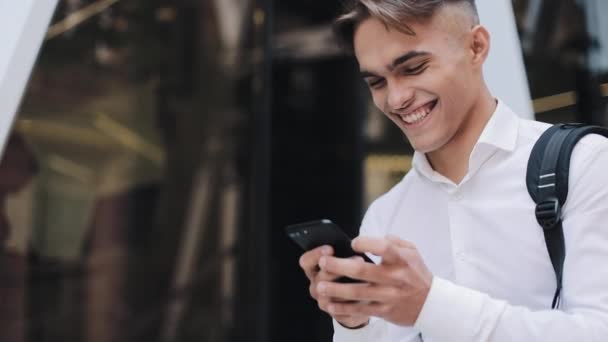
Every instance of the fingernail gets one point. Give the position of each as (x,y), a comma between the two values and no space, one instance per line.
(322,262)
(321,288)
(326,250)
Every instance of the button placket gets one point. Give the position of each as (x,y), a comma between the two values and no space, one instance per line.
(458,232)
(456,195)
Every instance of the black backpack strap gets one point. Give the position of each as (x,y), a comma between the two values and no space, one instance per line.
(547,182)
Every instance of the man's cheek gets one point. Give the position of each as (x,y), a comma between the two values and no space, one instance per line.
(379,101)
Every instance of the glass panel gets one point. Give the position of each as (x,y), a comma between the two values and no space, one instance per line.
(566,51)
(125,181)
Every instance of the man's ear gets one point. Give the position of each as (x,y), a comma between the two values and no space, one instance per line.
(480,44)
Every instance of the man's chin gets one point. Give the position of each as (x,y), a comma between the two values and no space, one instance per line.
(422,147)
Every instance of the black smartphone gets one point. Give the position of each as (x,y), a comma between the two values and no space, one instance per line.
(310,235)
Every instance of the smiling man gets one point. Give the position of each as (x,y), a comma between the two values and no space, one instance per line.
(459,254)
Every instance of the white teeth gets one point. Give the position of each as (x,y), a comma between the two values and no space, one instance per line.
(416,116)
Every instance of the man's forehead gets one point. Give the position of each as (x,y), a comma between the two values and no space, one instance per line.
(375,43)
(374,39)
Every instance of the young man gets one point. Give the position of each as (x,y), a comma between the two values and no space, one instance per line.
(460,256)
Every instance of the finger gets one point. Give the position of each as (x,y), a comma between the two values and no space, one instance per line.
(357,258)
(357,309)
(357,292)
(324,303)
(399,242)
(365,271)
(352,268)
(309,261)
(382,247)
(326,276)
(321,276)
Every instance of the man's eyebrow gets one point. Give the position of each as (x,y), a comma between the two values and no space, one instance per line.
(365,74)
(396,62)
(406,57)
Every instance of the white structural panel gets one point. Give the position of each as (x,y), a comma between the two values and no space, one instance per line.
(23,25)
(504,70)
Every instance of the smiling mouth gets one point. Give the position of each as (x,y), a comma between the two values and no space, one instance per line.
(419,114)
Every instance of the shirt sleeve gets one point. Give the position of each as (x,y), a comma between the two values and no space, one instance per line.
(455,313)
(374,331)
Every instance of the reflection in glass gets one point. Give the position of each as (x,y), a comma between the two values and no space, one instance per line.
(566,51)
(120,192)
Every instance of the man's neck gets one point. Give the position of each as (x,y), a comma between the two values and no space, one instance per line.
(452,160)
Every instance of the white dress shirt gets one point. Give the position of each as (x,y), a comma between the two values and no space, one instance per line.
(493,279)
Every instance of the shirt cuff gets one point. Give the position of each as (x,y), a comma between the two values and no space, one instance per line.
(455,313)
(373,331)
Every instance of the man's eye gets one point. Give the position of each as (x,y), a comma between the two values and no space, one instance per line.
(418,69)
(376,83)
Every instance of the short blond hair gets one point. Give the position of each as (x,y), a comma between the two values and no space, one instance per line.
(393,13)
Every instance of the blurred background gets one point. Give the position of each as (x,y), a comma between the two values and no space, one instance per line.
(162,146)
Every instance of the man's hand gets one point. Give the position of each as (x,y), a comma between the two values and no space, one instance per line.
(395,290)
(310,264)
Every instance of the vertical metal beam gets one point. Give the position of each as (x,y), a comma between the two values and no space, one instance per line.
(185,267)
(259,232)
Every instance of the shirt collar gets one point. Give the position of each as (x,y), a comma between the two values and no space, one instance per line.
(501,130)
(499,133)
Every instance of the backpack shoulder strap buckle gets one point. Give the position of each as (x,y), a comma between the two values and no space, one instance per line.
(548,213)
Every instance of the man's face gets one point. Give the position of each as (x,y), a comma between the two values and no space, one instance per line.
(425,83)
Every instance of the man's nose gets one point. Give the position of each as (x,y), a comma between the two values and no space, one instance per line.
(399,97)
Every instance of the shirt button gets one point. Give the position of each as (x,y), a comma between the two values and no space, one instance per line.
(456,195)
(462,256)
